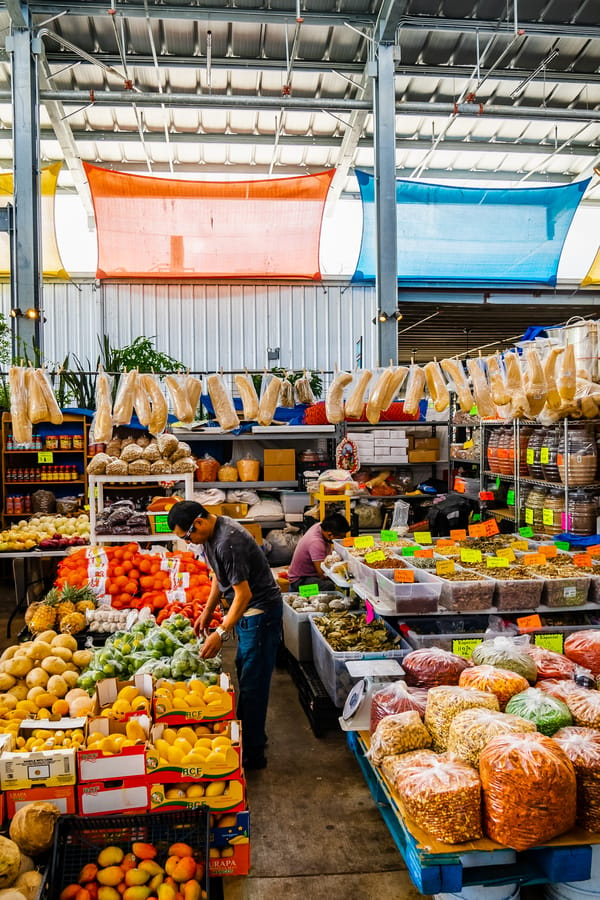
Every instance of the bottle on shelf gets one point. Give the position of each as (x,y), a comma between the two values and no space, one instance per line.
(534,507)
(506,452)
(492,450)
(578,460)
(532,453)
(582,513)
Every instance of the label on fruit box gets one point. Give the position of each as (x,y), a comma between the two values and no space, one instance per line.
(470,556)
(177,595)
(170,565)
(375,556)
(180,580)
(366,540)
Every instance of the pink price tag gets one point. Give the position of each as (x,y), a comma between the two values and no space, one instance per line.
(370,613)
(566,521)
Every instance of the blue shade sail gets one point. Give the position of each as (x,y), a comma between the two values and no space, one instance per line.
(476,236)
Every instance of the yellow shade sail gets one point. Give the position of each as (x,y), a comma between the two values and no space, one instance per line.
(593,275)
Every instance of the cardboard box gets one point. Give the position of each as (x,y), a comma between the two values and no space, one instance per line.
(280,473)
(233,859)
(62,797)
(108,690)
(233,799)
(235,510)
(426,443)
(130,762)
(200,771)
(280,457)
(422,456)
(254,529)
(125,795)
(46,768)
(165,715)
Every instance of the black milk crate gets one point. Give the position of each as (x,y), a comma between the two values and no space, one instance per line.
(314,699)
(79,839)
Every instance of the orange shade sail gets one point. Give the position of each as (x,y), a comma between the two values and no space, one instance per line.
(165,228)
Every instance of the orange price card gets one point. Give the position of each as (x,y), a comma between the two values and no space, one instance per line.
(549,552)
(424,554)
(594,550)
(583,559)
(445,542)
(477,530)
(491,527)
(405,576)
(460,534)
(348,542)
(534,559)
(529,623)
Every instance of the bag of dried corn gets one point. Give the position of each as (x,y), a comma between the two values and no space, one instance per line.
(582,746)
(529,790)
(447,701)
(501,682)
(442,796)
(472,729)
(398,734)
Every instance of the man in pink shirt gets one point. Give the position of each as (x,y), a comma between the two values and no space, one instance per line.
(311,550)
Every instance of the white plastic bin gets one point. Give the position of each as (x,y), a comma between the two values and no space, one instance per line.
(420,597)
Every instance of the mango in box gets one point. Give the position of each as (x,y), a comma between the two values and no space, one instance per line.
(176,702)
(121,700)
(114,749)
(177,754)
(221,796)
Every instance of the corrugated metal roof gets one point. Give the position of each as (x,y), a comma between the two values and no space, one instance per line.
(528,92)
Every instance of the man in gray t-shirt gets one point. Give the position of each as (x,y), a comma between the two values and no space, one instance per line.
(241,575)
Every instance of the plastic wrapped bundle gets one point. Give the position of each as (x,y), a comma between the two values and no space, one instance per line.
(583,648)
(547,713)
(529,790)
(501,682)
(550,664)
(583,704)
(393,765)
(470,731)
(398,734)
(396,698)
(506,653)
(431,666)
(442,796)
(446,702)
(582,746)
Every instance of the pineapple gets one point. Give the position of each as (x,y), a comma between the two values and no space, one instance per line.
(73,623)
(30,611)
(78,595)
(43,618)
(85,604)
(65,608)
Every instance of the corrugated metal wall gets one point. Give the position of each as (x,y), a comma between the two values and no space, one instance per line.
(213,326)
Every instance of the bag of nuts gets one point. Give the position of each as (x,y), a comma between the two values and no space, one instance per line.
(398,734)
(582,746)
(472,729)
(447,701)
(442,796)
(396,698)
(501,682)
(529,790)
(431,666)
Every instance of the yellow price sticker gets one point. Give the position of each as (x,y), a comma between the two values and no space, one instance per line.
(366,540)
(445,567)
(548,516)
(470,556)
(529,515)
(423,537)
(506,553)
(375,556)
(520,545)
(468,444)
(496,562)
(464,646)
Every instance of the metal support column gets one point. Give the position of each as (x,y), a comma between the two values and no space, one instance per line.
(26,274)
(384,112)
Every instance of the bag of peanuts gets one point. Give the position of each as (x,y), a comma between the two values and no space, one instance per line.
(583,648)
(551,664)
(529,790)
(396,698)
(432,666)
(393,765)
(582,746)
(447,701)
(398,734)
(547,713)
(443,797)
(472,729)
(501,682)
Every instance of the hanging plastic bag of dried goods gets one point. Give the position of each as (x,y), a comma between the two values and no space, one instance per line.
(529,790)
(286,395)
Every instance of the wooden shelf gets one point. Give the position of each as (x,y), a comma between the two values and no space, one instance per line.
(42,483)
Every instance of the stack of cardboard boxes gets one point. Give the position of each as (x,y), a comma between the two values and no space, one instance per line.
(395,446)
(279,465)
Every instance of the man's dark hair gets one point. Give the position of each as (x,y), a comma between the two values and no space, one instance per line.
(186,512)
(337,523)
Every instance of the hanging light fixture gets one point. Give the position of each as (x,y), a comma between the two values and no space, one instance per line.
(15,313)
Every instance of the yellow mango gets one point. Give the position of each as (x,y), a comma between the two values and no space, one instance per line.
(169,735)
(128,693)
(110,856)
(111,876)
(162,747)
(176,755)
(188,734)
(215,788)
(194,790)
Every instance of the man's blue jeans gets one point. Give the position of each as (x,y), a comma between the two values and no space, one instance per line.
(258,639)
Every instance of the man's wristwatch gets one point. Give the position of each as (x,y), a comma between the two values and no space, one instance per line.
(223,633)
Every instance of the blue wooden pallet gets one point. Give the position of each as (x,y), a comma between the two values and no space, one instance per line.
(434,873)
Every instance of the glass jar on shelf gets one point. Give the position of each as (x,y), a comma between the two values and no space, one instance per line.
(506,452)
(577,455)
(532,454)
(582,513)
(492,450)
(548,456)
(534,507)
(553,511)
(524,437)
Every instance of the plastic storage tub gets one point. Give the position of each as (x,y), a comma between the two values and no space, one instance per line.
(421,597)
(571,591)
(517,593)
(294,502)
(365,575)
(296,632)
(331,664)
(462,596)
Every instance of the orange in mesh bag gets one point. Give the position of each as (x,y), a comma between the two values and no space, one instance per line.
(582,746)
(529,790)
(396,698)
(442,796)
(501,682)
(583,647)
(432,666)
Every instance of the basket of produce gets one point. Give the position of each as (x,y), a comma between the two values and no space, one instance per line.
(101,847)
(340,637)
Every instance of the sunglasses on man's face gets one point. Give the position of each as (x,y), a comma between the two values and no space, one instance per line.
(188,533)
